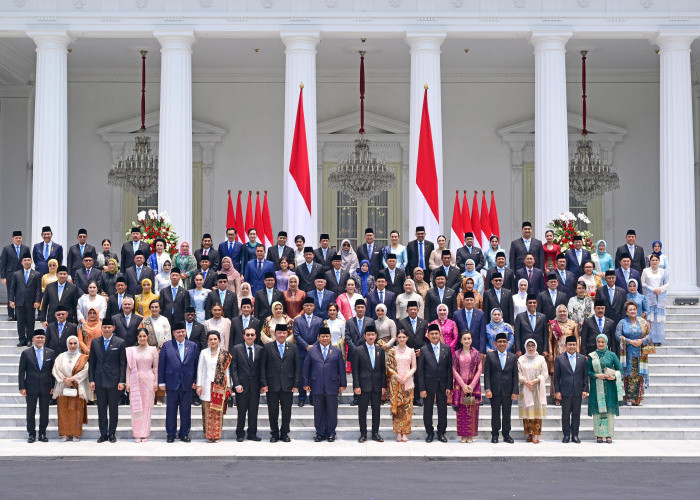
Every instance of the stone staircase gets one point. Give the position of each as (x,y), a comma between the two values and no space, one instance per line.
(671,408)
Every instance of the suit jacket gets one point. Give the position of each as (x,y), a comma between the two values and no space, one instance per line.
(434,375)
(522,328)
(230,304)
(506,304)
(50,301)
(624,284)
(81,280)
(31,378)
(508,279)
(363,375)
(572,263)
(325,263)
(247,375)
(198,335)
(174,310)
(415,339)
(209,279)
(638,261)
(321,307)
(255,276)
(353,335)
(501,382)
(262,308)
(133,284)
(432,300)
(590,330)
(375,260)
(40,263)
(127,253)
(613,308)
(236,336)
(214,258)
(175,373)
(306,278)
(58,344)
(281,373)
(454,279)
(107,369)
(22,293)
(235,255)
(9,263)
(337,287)
(305,335)
(395,285)
(463,255)
(537,283)
(372,300)
(545,306)
(569,288)
(324,376)
(127,333)
(273,255)
(567,381)
(518,251)
(477,327)
(412,251)
(113,304)
(74,260)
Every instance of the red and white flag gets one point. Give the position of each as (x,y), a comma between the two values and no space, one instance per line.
(485,222)
(267,222)
(230,215)
(427,206)
(493,216)
(476,223)
(457,234)
(240,226)
(466,219)
(249,214)
(258,222)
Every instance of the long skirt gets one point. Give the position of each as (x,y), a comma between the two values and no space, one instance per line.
(468,420)
(634,384)
(212,421)
(657,332)
(404,412)
(141,421)
(603,425)
(72,414)
(532,426)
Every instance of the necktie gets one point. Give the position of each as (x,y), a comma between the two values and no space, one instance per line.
(40,357)
(631,249)
(308,321)
(529,275)
(135,244)
(222,296)
(17,250)
(578,257)
(421,261)
(259,265)
(436,350)
(138,274)
(469,318)
(627,275)
(82,250)
(246,320)
(325,253)
(230,248)
(308,267)
(337,277)
(188,326)
(572,362)
(563,277)
(127,320)
(532,322)
(413,325)
(320,298)
(181,349)
(441,292)
(250,355)
(269,296)
(26,276)
(381,297)
(553,294)
(60,291)
(204,275)
(281,349)
(498,295)
(46,251)
(502,356)
(87,272)
(370,351)
(119,301)
(527,245)
(60,330)
(600,324)
(325,352)
(206,251)
(107,343)
(359,325)
(369,251)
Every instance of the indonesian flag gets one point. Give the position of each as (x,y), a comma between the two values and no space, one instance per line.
(267,222)
(258,222)
(230,215)
(485,222)
(240,227)
(298,211)
(457,235)
(466,219)
(427,207)
(249,214)
(493,216)
(476,223)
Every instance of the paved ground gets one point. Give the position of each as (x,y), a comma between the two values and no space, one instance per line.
(348,478)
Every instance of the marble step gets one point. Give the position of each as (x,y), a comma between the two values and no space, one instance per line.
(679,325)
(679,333)
(682,315)
(672,341)
(678,350)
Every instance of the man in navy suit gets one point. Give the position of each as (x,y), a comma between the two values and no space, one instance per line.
(36,384)
(25,296)
(394,276)
(231,248)
(419,251)
(324,253)
(324,377)
(501,384)
(86,273)
(570,386)
(566,279)
(174,299)
(11,261)
(256,268)
(532,273)
(369,381)
(276,252)
(371,252)
(380,295)
(549,300)
(177,369)
(614,298)
(576,256)
(130,248)
(138,272)
(77,252)
(306,328)
(520,247)
(434,382)
(322,297)
(45,251)
(337,278)
(472,319)
(625,273)
(531,324)
(307,271)
(57,333)
(224,297)
(498,297)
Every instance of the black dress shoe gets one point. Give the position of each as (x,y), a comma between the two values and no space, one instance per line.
(185,439)
(576,440)
(418,403)
(318,439)
(254,438)
(274,439)
(565,439)
(239,439)
(112,439)
(285,439)
(21,344)
(196,402)
(508,439)
(300,403)
(363,439)
(331,438)
(494,440)
(31,439)
(442,438)
(102,439)
(429,438)
(170,439)
(377,438)
(355,401)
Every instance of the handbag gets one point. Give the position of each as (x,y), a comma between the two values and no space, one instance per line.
(648,349)
(70,392)
(468,400)
(609,372)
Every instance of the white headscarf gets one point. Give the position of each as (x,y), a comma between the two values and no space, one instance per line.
(72,353)
(530,356)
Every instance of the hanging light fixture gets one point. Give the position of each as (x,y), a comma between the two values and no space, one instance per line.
(589,177)
(138,171)
(361,174)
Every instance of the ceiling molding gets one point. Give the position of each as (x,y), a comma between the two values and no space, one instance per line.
(382,124)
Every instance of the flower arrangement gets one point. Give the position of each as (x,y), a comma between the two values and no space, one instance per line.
(564,227)
(157,225)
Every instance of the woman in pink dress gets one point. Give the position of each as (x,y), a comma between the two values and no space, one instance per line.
(141,384)
(551,250)
(466,370)
(448,328)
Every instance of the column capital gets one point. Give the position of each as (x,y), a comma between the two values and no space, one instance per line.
(47,39)
(175,39)
(300,40)
(549,40)
(428,40)
(674,40)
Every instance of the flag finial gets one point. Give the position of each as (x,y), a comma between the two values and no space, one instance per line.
(301,85)
(425,86)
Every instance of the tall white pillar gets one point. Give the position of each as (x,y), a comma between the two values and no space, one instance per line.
(551,134)
(425,70)
(50,179)
(300,68)
(175,136)
(676,167)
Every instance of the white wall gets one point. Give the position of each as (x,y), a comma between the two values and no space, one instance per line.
(13,168)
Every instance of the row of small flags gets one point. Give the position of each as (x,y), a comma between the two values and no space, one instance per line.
(483,226)
(258,219)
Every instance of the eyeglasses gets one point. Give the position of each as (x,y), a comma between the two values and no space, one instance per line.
(250,335)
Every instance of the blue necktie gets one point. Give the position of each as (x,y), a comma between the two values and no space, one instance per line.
(532,322)
(469,318)
(381,297)
(60,330)
(230,248)
(308,321)
(527,245)
(436,350)
(246,320)
(553,294)
(572,362)
(308,267)
(421,261)
(320,298)
(17,250)
(325,352)
(46,251)
(413,325)
(82,250)
(281,349)
(60,291)
(40,357)
(119,301)
(337,276)
(600,324)
(359,325)
(370,350)
(181,348)
(138,274)
(204,275)
(502,356)
(26,276)
(563,277)
(222,296)
(107,343)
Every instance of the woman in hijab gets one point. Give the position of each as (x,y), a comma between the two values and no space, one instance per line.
(636,297)
(51,276)
(421,285)
(632,333)
(186,263)
(350,262)
(294,298)
(520,298)
(496,326)
(605,389)
(656,250)
(468,286)
(470,272)
(245,293)
(363,279)
(213,385)
(532,399)
(267,334)
(233,276)
(90,329)
(163,277)
(109,277)
(71,390)
(560,328)
(448,328)
(141,383)
(142,301)
(386,327)
(466,373)
(409,294)
(602,260)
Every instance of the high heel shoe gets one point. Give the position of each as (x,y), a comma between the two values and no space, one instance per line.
(399,438)
(470,439)
(463,440)
(405,438)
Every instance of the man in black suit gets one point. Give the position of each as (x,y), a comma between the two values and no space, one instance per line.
(625,273)
(107,375)
(195,331)
(46,250)
(266,297)
(415,327)
(372,252)
(25,297)
(83,275)
(355,327)
(36,384)
(207,274)
(209,251)
(434,382)
(57,333)
(307,271)
(636,252)
(276,252)
(576,256)
(533,275)
(501,384)
(453,277)
(380,295)
(241,323)
(130,248)
(570,386)
(247,363)
(60,292)
(323,254)
(137,273)
(336,277)
(11,261)
(419,251)
(77,252)
(473,320)
(114,302)
(595,325)
(506,273)
(369,382)
(497,296)
(469,251)
(281,375)
(548,300)
(393,275)
(126,323)
(524,245)
(439,294)
(531,324)
(222,296)
(566,279)
(614,298)
(174,299)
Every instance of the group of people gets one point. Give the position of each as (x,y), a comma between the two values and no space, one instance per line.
(414,324)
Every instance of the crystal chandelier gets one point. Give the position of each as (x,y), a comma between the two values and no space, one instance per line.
(138,171)
(361,174)
(589,177)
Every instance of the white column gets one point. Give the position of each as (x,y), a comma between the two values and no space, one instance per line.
(50,179)
(300,67)
(175,136)
(551,134)
(425,70)
(676,168)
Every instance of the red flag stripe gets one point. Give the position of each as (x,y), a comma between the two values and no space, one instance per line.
(457,221)
(426,172)
(485,222)
(249,214)
(257,222)
(230,215)
(267,222)
(299,157)
(240,227)
(493,216)
(476,223)
(466,220)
